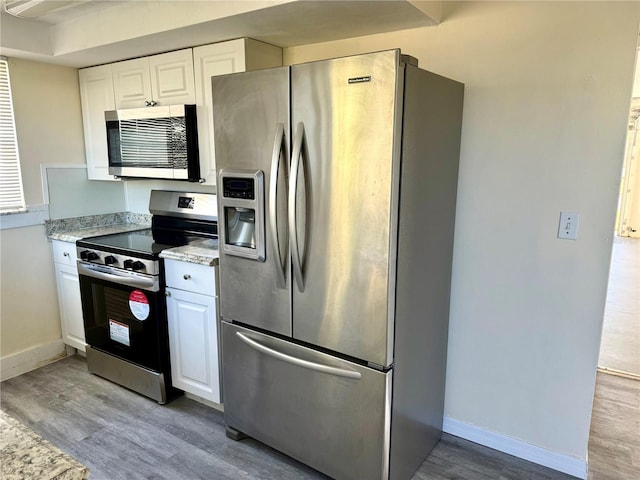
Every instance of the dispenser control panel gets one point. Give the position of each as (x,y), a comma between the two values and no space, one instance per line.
(237,187)
(241,224)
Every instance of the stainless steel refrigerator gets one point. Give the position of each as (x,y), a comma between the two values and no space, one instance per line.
(336,193)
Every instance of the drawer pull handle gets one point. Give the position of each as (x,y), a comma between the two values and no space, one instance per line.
(318,367)
(186,276)
(66,254)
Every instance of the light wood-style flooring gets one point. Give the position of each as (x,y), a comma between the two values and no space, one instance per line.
(620,346)
(122,435)
(614,440)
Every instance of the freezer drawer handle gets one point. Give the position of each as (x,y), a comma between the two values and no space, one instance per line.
(297,361)
(296,160)
(278,149)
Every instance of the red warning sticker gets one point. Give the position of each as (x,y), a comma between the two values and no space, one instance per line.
(139,305)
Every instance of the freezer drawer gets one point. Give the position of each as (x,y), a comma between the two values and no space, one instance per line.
(331,414)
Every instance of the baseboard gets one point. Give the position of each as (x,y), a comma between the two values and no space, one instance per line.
(562,463)
(204,401)
(30,359)
(619,373)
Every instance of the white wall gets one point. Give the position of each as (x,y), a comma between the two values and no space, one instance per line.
(548,86)
(49,129)
(48,116)
(29,309)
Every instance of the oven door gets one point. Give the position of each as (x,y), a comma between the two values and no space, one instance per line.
(126,321)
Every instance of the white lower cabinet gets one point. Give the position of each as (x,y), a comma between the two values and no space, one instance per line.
(64,256)
(192,314)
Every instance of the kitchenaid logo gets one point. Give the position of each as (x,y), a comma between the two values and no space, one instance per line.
(360,79)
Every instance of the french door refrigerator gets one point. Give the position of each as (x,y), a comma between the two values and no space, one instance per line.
(336,192)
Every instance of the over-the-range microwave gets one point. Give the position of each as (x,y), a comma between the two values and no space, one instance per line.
(153,142)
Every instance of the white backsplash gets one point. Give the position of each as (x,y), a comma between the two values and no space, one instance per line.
(71,194)
(137,192)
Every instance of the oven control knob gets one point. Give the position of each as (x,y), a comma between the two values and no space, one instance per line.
(128,264)
(84,255)
(92,256)
(137,265)
(109,260)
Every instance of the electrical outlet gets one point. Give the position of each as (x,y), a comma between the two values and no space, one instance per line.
(568,227)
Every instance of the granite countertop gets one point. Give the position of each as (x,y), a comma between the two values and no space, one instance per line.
(72,229)
(204,252)
(25,454)
(73,235)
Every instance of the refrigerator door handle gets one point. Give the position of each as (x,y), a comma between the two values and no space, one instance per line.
(296,160)
(318,367)
(278,150)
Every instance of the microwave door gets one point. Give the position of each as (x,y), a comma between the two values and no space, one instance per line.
(158,142)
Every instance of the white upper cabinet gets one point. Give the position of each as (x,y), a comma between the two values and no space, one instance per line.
(172,78)
(164,79)
(132,83)
(96,96)
(219,59)
(180,77)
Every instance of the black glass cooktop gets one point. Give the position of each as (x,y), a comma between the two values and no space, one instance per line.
(139,241)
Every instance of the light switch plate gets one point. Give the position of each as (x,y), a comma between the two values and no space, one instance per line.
(568,227)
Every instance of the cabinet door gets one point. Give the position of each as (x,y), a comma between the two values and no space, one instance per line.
(132,83)
(172,78)
(211,60)
(70,306)
(193,343)
(96,96)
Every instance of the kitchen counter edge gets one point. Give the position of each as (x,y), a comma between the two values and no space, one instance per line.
(201,253)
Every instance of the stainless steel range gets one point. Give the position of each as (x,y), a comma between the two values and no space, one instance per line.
(122,289)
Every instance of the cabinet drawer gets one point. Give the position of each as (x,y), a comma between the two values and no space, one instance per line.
(191,277)
(64,252)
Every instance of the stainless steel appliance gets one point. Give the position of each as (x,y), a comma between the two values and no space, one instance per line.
(334,341)
(122,291)
(158,142)
(242,212)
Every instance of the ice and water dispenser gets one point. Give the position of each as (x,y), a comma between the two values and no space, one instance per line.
(242,212)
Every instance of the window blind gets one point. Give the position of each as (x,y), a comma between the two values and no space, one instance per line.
(11,192)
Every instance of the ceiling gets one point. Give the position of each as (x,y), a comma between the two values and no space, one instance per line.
(83,33)
(53,11)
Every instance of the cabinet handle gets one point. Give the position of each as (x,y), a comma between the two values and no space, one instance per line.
(152,103)
(147,103)
(66,254)
(167,293)
(186,276)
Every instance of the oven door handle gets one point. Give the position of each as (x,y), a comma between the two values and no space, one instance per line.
(120,279)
